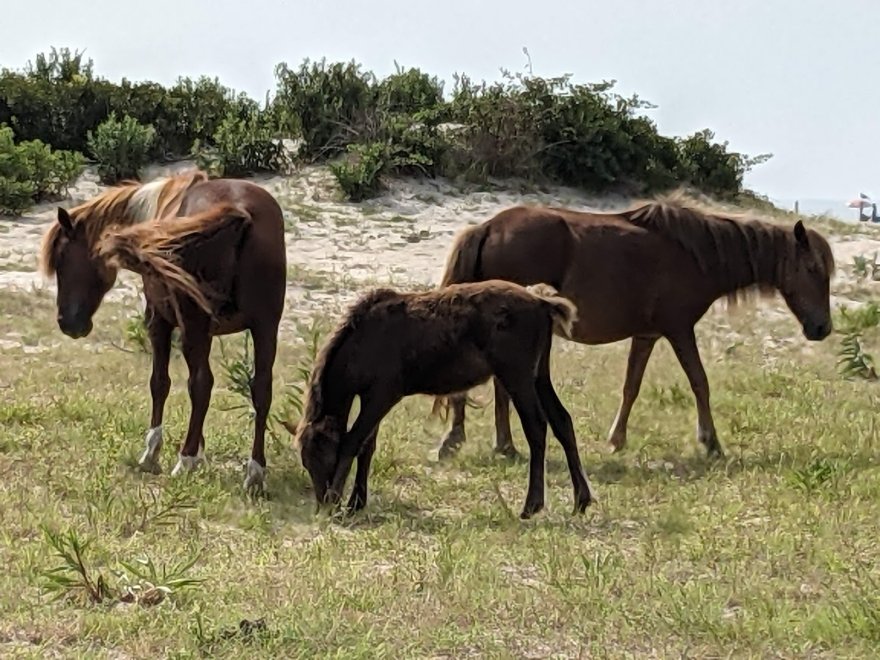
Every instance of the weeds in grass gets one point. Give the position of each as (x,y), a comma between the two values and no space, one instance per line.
(863,268)
(73,577)
(814,476)
(853,360)
(141,581)
(154,584)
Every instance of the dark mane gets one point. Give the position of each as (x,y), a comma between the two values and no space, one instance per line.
(737,247)
(314,403)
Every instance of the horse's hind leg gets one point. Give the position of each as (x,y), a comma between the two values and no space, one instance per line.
(503,437)
(639,352)
(456,436)
(685,347)
(563,429)
(196,352)
(265,347)
(160,383)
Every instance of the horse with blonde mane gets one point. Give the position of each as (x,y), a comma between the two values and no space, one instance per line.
(647,272)
(213,261)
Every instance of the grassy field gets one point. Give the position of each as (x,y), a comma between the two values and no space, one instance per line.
(771,553)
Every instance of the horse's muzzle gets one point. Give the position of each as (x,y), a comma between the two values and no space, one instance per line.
(75,328)
(817,331)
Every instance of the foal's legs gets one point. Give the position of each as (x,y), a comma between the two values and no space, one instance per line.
(265,346)
(563,429)
(358,499)
(160,383)
(534,423)
(196,351)
(456,436)
(364,429)
(639,352)
(685,347)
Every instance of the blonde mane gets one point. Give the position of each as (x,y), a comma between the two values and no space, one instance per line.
(126,204)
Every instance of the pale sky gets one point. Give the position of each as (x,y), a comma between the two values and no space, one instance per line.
(797,78)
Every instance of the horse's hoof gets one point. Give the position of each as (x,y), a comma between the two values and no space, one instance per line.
(187,463)
(530,509)
(149,460)
(507,451)
(581,504)
(356,502)
(255,478)
(450,445)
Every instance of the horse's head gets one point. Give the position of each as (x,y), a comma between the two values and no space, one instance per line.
(83,278)
(319,448)
(806,282)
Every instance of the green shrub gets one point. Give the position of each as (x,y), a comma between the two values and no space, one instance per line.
(328,105)
(121,147)
(31,172)
(242,146)
(409,92)
(359,172)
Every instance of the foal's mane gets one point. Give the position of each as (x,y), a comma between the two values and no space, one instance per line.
(127,203)
(314,400)
(735,247)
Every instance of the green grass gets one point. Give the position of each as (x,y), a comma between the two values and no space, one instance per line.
(771,553)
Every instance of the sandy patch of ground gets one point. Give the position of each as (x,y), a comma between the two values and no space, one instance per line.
(336,249)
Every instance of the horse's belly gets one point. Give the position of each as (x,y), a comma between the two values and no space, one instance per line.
(455,374)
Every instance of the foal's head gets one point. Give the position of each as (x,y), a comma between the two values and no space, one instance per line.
(806,282)
(319,447)
(83,278)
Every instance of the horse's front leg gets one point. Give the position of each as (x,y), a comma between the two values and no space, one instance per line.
(265,346)
(159,331)
(196,352)
(358,499)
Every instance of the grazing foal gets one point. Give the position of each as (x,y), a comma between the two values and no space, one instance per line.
(243,263)
(648,272)
(391,345)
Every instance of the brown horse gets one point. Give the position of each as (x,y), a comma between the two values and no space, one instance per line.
(391,345)
(244,264)
(647,272)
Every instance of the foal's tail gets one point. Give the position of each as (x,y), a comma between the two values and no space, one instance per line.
(463,262)
(155,249)
(563,312)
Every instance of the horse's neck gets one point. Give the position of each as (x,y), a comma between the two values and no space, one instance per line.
(758,264)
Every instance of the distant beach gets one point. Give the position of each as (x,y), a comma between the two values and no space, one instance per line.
(835,208)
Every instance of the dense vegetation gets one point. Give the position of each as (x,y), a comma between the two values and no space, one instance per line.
(544,130)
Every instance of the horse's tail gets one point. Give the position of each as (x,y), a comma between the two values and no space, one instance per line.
(463,262)
(462,265)
(563,312)
(154,250)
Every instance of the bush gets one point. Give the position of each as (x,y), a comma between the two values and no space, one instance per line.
(359,172)
(31,172)
(121,148)
(329,105)
(242,146)
(409,92)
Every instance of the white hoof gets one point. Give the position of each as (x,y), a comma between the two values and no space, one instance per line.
(149,460)
(255,478)
(188,463)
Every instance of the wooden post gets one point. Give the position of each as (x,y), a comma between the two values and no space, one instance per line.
(796,208)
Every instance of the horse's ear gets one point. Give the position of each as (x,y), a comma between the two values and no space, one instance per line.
(800,234)
(65,221)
